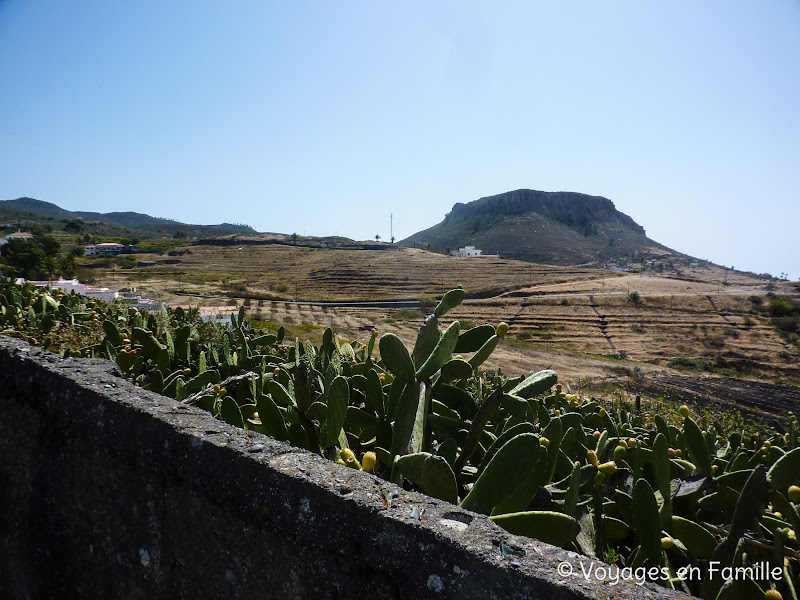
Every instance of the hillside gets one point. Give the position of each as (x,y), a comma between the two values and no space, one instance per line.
(561,228)
(30,211)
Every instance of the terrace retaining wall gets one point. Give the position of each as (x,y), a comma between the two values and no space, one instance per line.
(110,491)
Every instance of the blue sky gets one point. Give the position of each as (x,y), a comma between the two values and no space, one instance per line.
(323,118)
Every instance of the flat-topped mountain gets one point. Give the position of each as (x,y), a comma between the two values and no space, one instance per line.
(561,228)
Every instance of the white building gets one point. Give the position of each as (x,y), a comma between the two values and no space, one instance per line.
(466,251)
(106,248)
(20,235)
(73,285)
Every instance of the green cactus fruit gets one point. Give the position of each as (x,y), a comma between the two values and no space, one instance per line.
(438,480)
(697,539)
(336,398)
(511,465)
(484,352)
(449,301)
(471,340)
(427,338)
(646,520)
(535,384)
(396,357)
(785,471)
(550,527)
(441,353)
(749,505)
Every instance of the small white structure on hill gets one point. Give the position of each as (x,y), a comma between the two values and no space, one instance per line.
(466,251)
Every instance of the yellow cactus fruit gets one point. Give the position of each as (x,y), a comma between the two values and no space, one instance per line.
(339,461)
(667,542)
(714,469)
(374,332)
(632,443)
(794,494)
(678,453)
(558,412)
(217,388)
(255,415)
(544,442)
(591,456)
(459,356)
(247,339)
(791,535)
(369,460)
(608,468)
(623,443)
(222,392)
(777,515)
(187,371)
(501,329)
(773,595)
(767,444)
(603,413)
(349,458)
(276,371)
(684,410)
(382,377)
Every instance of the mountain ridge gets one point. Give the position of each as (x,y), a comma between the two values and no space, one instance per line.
(562,228)
(29,208)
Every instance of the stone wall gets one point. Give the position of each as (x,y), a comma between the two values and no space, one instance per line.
(110,491)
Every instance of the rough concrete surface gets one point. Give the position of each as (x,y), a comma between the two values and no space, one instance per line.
(111,491)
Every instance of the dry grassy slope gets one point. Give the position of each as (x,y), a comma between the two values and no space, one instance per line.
(570,319)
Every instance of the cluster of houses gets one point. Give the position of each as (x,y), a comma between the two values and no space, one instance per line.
(68,286)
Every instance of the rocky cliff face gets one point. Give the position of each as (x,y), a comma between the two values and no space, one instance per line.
(579,211)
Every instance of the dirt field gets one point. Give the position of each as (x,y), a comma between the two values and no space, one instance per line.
(581,322)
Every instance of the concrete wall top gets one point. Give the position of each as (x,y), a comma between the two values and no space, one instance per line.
(111,491)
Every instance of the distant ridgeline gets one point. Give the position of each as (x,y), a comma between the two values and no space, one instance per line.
(549,227)
(30,211)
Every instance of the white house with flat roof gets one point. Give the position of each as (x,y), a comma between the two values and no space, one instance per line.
(466,251)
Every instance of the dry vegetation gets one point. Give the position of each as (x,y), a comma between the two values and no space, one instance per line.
(582,322)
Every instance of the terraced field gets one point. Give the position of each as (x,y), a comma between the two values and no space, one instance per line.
(581,322)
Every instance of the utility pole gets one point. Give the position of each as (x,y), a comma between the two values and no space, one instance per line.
(391,227)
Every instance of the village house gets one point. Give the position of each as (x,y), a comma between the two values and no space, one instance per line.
(19,235)
(105,248)
(466,251)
